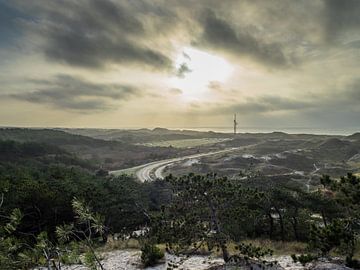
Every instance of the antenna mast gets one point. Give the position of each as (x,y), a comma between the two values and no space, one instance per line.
(235,124)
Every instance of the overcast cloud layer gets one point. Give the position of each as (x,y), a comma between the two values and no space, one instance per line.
(113,63)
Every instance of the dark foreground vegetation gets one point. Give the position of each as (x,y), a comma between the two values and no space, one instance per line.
(55,206)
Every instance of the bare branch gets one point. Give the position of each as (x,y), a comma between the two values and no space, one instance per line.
(2,199)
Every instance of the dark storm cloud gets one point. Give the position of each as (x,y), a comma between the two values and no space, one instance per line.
(341,16)
(95,33)
(183,70)
(97,51)
(9,30)
(92,33)
(73,93)
(220,34)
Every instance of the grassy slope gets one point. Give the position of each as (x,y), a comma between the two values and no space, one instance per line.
(108,154)
(34,153)
(186,143)
(146,135)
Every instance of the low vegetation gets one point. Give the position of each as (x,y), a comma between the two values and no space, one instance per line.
(99,153)
(150,254)
(46,219)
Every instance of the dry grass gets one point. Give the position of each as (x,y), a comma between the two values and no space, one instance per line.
(279,248)
(185,143)
(113,244)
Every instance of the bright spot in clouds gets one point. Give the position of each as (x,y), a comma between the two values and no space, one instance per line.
(196,69)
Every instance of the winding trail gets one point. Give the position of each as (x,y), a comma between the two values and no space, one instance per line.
(316,169)
(154,170)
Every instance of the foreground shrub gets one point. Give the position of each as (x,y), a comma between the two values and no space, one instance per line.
(150,254)
(303,258)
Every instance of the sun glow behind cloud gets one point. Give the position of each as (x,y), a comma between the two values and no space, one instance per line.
(196,70)
(189,62)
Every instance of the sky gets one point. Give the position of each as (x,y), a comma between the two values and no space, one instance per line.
(185,63)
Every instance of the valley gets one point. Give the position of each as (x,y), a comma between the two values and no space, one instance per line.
(301,159)
(279,177)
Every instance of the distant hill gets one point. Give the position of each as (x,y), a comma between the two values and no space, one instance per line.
(34,153)
(355,136)
(145,135)
(334,143)
(49,136)
(107,154)
(335,149)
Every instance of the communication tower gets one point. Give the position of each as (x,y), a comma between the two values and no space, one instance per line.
(235,124)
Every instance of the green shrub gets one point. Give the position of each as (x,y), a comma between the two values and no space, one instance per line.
(251,251)
(337,235)
(90,260)
(303,258)
(150,254)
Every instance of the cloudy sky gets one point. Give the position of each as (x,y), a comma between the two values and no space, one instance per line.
(180,63)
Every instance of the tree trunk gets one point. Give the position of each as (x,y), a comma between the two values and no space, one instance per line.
(281,224)
(294,224)
(89,244)
(271,222)
(323,218)
(47,257)
(225,252)
(217,228)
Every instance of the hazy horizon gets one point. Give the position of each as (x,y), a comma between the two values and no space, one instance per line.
(111,64)
(224,129)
